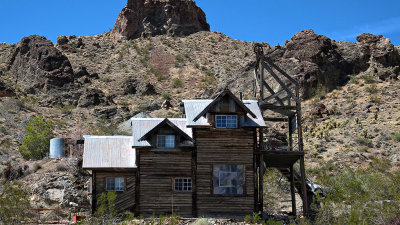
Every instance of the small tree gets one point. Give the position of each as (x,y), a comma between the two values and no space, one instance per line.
(106,211)
(37,143)
(14,204)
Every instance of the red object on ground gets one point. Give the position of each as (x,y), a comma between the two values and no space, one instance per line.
(77,218)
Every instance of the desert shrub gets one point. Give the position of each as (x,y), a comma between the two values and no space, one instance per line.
(353,79)
(396,136)
(364,141)
(14,204)
(106,210)
(375,99)
(369,79)
(256,218)
(179,60)
(165,96)
(372,89)
(157,73)
(209,78)
(65,109)
(360,196)
(177,83)
(36,144)
(107,79)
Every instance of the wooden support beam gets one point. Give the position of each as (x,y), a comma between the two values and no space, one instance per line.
(292,191)
(272,92)
(275,119)
(280,81)
(302,166)
(264,106)
(290,134)
(277,94)
(280,70)
(262,79)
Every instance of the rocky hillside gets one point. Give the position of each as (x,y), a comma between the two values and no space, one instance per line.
(148,63)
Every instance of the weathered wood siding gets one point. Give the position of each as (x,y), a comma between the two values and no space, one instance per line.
(126,199)
(224,146)
(158,169)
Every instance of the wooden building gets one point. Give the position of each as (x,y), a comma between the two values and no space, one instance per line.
(205,164)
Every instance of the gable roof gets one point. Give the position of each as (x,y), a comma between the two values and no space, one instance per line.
(194,107)
(170,124)
(142,126)
(102,152)
(218,98)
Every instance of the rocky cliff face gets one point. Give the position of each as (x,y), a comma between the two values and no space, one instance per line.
(155,17)
(318,61)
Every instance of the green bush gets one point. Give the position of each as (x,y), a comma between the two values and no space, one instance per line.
(369,79)
(177,83)
(106,210)
(396,136)
(166,96)
(364,141)
(360,196)
(14,204)
(36,144)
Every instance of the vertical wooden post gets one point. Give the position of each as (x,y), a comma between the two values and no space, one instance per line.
(302,166)
(261,81)
(93,191)
(194,182)
(290,134)
(137,184)
(292,191)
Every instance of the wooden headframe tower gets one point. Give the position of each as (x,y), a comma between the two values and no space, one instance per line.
(279,97)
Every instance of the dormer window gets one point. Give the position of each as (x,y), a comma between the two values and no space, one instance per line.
(166,141)
(226,121)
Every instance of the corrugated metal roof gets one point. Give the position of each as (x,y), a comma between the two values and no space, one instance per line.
(102,152)
(194,107)
(141,126)
(249,120)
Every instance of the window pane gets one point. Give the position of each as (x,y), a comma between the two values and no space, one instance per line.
(183,184)
(226,121)
(228,179)
(115,184)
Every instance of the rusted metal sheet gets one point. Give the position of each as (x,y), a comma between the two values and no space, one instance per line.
(141,126)
(194,107)
(108,152)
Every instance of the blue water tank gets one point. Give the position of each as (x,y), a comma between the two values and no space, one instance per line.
(57,148)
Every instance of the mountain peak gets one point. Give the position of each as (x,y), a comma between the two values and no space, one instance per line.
(156,17)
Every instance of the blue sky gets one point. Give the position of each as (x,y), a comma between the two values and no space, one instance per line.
(272,21)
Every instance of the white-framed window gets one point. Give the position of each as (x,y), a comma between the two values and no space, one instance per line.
(228,179)
(166,141)
(115,184)
(183,185)
(226,121)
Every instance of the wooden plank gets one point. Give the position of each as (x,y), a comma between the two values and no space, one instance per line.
(280,82)
(220,146)
(270,62)
(272,92)
(275,95)
(292,191)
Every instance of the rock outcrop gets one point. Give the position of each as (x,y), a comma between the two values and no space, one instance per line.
(155,17)
(39,66)
(317,61)
(5,90)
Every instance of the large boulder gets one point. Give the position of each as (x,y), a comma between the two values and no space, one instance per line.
(39,66)
(155,17)
(317,61)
